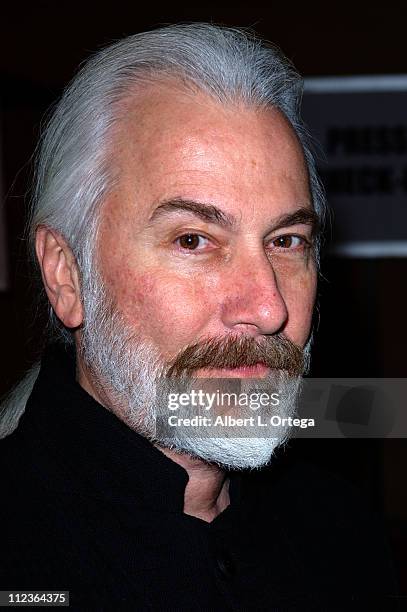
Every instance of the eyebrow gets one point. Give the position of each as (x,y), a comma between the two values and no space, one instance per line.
(301,216)
(212,214)
(207,212)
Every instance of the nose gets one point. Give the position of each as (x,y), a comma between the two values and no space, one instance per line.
(253,302)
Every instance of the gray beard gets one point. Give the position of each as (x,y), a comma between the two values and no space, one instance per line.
(132,375)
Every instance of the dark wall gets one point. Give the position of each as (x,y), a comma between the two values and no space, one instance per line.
(363,303)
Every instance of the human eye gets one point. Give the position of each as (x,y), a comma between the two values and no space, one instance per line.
(289,242)
(192,242)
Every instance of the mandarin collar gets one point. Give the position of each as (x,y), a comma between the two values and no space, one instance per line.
(99,453)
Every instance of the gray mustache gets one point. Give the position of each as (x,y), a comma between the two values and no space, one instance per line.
(275,352)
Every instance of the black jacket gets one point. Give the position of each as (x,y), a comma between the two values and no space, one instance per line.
(89,506)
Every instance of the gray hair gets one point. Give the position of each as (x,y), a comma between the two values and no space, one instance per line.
(14,403)
(75,170)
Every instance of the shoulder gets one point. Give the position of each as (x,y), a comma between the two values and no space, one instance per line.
(315,500)
(331,527)
(336,538)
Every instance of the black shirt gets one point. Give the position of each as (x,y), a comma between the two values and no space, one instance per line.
(91,507)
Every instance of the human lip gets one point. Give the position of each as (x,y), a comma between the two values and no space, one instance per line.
(259,370)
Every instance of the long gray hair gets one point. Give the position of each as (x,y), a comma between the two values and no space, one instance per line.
(75,169)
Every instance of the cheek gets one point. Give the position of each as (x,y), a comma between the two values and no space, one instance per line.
(168,310)
(299,292)
(300,319)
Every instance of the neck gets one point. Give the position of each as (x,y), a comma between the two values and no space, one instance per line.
(207,492)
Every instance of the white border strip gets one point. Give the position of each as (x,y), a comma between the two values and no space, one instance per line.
(368,249)
(353,84)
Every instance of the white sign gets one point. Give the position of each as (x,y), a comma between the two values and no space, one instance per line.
(361,124)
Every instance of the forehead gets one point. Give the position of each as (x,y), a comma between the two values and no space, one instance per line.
(172,143)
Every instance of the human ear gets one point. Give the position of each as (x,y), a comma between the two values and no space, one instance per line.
(60,275)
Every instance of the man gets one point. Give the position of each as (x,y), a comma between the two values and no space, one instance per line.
(175,225)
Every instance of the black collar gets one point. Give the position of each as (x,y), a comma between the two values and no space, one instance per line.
(101,456)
